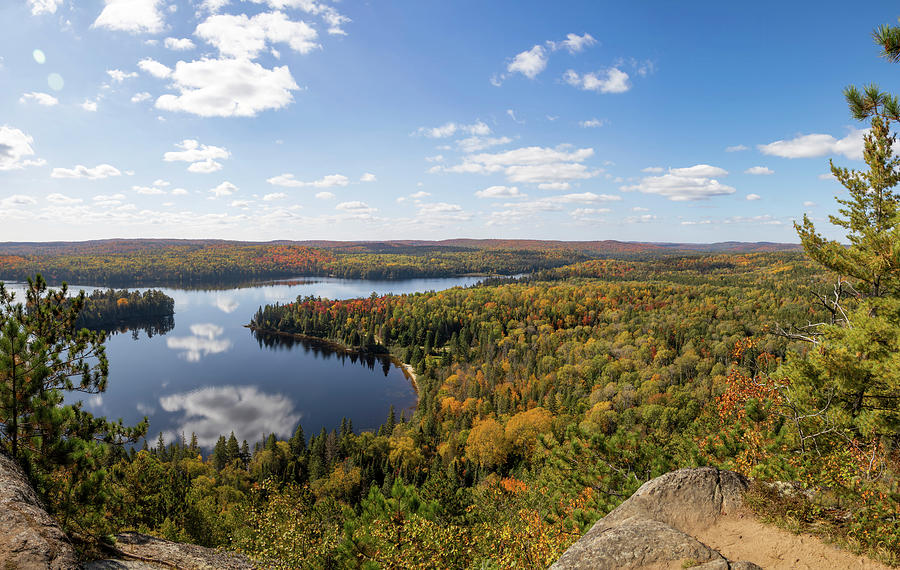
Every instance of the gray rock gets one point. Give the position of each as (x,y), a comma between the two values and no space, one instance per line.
(155,552)
(633,543)
(653,526)
(29,537)
(686,499)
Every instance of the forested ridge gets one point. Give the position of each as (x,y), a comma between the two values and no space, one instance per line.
(218,263)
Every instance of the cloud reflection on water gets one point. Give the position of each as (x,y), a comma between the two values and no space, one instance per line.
(219,410)
(204,342)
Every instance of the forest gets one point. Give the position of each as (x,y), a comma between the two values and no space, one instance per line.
(216,263)
(112,309)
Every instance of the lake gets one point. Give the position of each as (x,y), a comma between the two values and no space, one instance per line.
(210,375)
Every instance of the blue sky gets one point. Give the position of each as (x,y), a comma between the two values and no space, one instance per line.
(309,119)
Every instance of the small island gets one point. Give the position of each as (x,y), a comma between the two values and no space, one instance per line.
(113,309)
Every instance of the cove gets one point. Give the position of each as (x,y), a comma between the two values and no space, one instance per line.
(205,373)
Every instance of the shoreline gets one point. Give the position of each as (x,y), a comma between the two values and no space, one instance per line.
(407,369)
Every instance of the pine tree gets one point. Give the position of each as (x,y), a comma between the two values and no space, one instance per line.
(232,449)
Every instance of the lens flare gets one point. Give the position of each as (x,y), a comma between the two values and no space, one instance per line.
(55,81)
(39,56)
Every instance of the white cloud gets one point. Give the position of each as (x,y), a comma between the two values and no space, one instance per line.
(132,16)
(477,128)
(96,173)
(653,170)
(274,196)
(15,145)
(642,219)
(44,99)
(240,204)
(179,192)
(612,80)
(241,37)
(228,88)
(325,196)
(108,200)
(759,170)
(179,44)
(355,207)
(529,165)
(640,209)
(367,177)
(808,146)
(735,148)
(213,6)
(583,198)
(809,204)
(62,199)
(329,181)
(442,212)
(155,68)
(575,43)
(826,176)
(17,201)
(203,158)
(682,184)
(475,144)
(500,192)
(210,412)
(529,63)
(332,18)
(39,7)
(142,96)
(753,197)
(592,123)
(224,189)
(89,106)
(118,76)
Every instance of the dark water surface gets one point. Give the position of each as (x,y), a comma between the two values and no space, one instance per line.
(210,375)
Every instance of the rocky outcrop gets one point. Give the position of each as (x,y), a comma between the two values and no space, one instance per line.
(653,527)
(138,551)
(29,537)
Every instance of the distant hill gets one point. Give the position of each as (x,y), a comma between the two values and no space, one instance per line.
(605,247)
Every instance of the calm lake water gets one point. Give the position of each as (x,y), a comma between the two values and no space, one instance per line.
(210,375)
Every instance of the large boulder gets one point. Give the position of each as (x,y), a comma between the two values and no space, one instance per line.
(29,537)
(652,527)
(139,551)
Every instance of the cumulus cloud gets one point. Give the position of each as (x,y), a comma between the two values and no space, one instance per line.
(80,171)
(441,213)
(592,123)
(224,189)
(612,80)
(245,410)
(753,197)
(89,106)
(241,37)
(274,196)
(449,129)
(118,76)
(203,158)
(332,18)
(735,148)
(44,99)
(355,206)
(528,165)
(227,88)
(289,181)
(368,177)
(15,147)
(575,43)
(475,144)
(759,170)
(142,96)
(530,62)
(683,184)
(809,146)
(179,44)
(148,190)
(500,192)
(17,201)
(62,199)
(39,7)
(155,68)
(325,196)
(132,16)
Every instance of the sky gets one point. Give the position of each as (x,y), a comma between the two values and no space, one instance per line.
(351,120)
